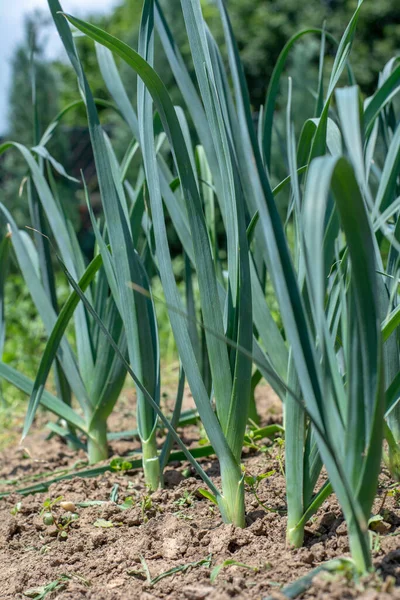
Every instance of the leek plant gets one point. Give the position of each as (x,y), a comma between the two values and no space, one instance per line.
(335,401)
(123,266)
(95,375)
(342,387)
(225,305)
(302,461)
(304,443)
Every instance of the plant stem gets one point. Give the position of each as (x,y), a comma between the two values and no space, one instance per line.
(151,463)
(97,446)
(231,502)
(392,459)
(359,548)
(295,436)
(295,533)
(253,414)
(319,498)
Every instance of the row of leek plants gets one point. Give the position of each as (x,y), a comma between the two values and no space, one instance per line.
(330,369)
(340,386)
(328,294)
(122,223)
(303,461)
(344,134)
(329,201)
(354,401)
(234,215)
(225,307)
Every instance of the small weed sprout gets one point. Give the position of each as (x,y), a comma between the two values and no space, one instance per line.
(146,505)
(15,510)
(252,483)
(185,500)
(49,504)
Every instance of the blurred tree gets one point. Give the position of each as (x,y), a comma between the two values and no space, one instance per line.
(262,27)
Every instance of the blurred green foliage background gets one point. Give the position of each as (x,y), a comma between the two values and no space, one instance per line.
(262,28)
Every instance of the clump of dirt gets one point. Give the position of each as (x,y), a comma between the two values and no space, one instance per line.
(115,541)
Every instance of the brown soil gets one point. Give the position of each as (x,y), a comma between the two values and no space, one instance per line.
(106,551)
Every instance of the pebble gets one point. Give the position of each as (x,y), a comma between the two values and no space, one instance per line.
(68,506)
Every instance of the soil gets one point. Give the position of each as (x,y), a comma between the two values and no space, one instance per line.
(117,553)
